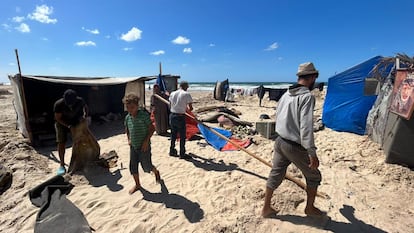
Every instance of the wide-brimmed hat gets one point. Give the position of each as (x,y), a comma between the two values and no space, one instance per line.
(306,68)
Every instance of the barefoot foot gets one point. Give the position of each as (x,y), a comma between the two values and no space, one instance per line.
(269,212)
(314,212)
(134,189)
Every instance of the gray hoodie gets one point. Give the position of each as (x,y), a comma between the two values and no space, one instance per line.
(294,117)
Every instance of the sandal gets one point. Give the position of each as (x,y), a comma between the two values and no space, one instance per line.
(61,171)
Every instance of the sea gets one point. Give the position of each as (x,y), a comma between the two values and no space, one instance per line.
(209,86)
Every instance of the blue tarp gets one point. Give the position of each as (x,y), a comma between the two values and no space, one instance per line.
(346,107)
(214,140)
(161,83)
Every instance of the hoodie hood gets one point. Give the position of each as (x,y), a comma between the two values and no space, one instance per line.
(297,89)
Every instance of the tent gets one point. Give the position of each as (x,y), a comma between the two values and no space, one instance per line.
(34,97)
(220,90)
(346,106)
(394,133)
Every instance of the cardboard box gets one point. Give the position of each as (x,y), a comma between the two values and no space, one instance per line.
(266,128)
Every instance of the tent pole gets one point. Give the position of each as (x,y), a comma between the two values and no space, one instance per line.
(160,68)
(26,114)
(287,176)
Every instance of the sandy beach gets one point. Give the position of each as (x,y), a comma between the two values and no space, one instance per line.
(215,191)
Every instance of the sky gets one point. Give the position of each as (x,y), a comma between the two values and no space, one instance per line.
(200,40)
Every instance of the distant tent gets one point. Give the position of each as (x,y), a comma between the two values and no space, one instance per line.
(346,106)
(220,90)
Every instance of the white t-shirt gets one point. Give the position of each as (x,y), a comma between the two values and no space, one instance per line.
(179,100)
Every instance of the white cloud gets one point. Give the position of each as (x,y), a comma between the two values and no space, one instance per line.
(107,37)
(181,40)
(157,53)
(187,50)
(23,28)
(6,27)
(127,49)
(133,35)
(94,31)
(11,64)
(212,45)
(41,14)
(45,39)
(18,19)
(272,47)
(85,43)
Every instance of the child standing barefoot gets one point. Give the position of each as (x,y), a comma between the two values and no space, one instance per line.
(139,129)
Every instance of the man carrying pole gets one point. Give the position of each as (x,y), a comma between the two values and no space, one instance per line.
(180,102)
(295,144)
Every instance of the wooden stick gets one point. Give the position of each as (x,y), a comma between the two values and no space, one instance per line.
(287,176)
(23,95)
(160,68)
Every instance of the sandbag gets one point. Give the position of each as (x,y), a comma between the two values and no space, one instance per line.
(85,148)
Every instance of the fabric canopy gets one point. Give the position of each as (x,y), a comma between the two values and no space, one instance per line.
(346,107)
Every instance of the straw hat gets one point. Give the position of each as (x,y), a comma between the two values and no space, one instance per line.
(306,68)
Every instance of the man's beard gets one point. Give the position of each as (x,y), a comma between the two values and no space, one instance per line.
(312,85)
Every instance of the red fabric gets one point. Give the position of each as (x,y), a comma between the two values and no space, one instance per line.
(241,143)
(191,127)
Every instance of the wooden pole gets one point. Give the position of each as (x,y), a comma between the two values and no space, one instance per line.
(18,61)
(23,95)
(160,68)
(287,176)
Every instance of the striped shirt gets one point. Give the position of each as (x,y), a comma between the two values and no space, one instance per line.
(137,127)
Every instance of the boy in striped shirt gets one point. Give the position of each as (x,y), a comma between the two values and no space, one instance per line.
(139,129)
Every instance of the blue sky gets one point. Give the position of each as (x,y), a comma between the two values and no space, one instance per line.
(200,40)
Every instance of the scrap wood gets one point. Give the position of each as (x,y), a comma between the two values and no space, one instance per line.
(208,108)
(108,160)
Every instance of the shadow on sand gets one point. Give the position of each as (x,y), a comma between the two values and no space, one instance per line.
(355,225)
(192,210)
(100,176)
(220,166)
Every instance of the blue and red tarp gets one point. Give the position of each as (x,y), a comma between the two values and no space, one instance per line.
(217,142)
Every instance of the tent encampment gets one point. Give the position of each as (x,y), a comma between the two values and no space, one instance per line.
(34,97)
(346,106)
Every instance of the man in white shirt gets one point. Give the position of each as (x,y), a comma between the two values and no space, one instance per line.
(180,102)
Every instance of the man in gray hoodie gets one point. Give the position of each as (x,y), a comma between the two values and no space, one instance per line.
(295,143)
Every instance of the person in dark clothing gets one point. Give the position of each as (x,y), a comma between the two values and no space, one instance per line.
(160,110)
(69,111)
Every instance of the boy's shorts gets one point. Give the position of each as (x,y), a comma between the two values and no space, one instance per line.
(136,157)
